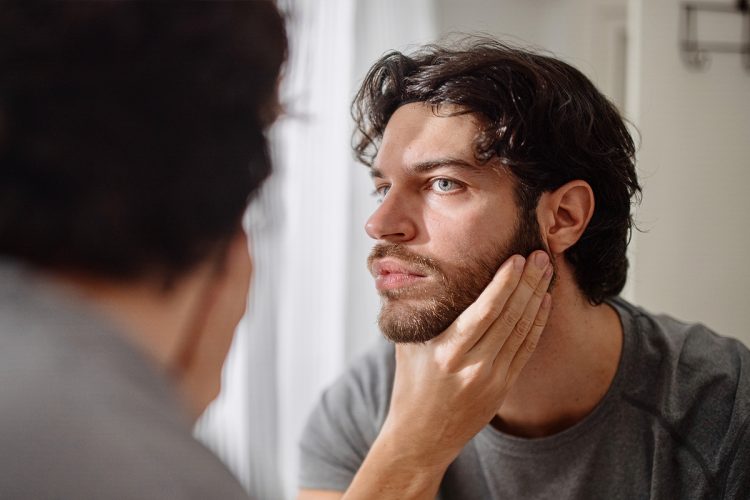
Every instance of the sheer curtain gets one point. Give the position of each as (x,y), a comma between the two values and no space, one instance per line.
(312,306)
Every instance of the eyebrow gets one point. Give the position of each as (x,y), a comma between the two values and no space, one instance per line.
(426,166)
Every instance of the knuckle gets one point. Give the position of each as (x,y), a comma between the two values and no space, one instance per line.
(445,361)
(530,280)
(531,344)
(539,292)
(511,316)
(508,320)
(487,312)
(474,374)
(523,325)
(518,336)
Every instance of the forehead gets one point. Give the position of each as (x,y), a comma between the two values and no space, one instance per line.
(417,133)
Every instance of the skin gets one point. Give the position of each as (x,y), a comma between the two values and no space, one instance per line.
(187,330)
(481,369)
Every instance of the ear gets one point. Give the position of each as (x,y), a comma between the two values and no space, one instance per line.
(564,214)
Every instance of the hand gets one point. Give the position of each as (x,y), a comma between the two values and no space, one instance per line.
(448,389)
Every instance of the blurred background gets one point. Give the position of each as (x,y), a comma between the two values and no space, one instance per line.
(313,306)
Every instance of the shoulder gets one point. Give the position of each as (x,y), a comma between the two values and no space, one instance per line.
(86,408)
(366,384)
(346,421)
(694,382)
(98,435)
(689,353)
(361,395)
(111,455)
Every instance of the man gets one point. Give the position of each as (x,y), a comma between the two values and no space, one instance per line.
(131,139)
(480,152)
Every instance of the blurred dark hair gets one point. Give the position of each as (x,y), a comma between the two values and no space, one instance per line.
(132,134)
(543,119)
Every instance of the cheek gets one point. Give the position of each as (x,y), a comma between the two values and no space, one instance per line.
(245,279)
(232,302)
(458,235)
(236,293)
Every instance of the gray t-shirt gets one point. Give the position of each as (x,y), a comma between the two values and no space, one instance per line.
(673,425)
(83,415)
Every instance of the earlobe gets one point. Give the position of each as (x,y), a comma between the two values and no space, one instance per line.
(565,214)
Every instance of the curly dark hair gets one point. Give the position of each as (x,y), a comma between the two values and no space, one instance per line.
(132,134)
(543,119)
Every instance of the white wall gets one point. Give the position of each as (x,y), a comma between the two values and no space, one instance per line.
(585,33)
(694,161)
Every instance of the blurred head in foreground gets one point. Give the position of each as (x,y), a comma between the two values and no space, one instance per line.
(132,137)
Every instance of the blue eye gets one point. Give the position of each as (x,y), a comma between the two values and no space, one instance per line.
(444,185)
(380,192)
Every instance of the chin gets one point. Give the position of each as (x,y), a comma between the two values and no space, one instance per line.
(413,324)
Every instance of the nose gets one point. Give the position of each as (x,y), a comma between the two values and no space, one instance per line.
(392,221)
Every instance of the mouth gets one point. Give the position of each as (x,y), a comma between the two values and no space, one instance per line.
(391,274)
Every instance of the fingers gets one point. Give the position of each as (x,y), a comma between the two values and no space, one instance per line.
(524,326)
(474,322)
(516,320)
(529,344)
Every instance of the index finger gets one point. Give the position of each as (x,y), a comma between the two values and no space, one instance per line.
(472,324)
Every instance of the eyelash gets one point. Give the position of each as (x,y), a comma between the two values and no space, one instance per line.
(455,184)
(381,191)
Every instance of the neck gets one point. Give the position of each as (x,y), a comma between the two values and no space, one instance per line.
(154,321)
(571,370)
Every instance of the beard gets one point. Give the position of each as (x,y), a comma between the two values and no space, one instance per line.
(416,314)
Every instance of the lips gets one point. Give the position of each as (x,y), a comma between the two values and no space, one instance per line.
(391,274)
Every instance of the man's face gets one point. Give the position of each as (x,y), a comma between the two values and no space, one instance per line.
(445,223)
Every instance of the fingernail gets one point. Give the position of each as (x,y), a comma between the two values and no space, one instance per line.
(541,259)
(548,272)
(518,263)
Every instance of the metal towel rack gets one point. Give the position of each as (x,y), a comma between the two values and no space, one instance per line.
(697,53)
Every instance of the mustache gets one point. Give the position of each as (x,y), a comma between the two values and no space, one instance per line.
(421,263)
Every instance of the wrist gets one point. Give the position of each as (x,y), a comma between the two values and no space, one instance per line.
(432,446)
(395,470)
(416,450)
